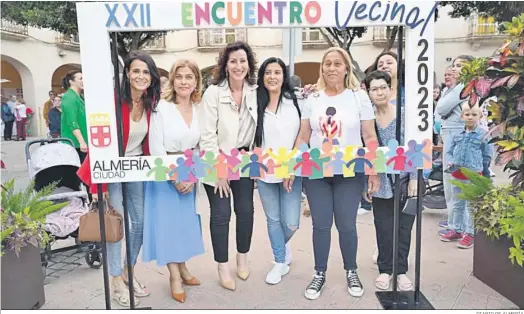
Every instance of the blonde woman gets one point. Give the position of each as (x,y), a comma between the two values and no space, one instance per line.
(172,229)
(339,102)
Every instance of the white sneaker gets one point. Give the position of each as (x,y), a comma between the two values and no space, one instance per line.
(289,256)
(362,211)
(375,256)
(276,273)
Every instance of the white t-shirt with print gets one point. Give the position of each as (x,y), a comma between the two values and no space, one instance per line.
(281,130)
(339,115)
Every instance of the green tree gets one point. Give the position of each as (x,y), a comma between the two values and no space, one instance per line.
(500,10)
(61,17)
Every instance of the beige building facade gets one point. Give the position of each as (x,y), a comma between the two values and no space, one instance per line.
(33,61)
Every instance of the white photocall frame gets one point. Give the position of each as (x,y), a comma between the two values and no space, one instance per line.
(97,19)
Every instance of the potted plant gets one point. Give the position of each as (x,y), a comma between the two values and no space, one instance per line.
(498,211)
(23,217)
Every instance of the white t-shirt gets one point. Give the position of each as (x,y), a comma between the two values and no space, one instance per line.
(281,130)
(337,118)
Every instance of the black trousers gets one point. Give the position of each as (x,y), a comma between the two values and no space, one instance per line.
(8,130)
(242,191)
(383,216)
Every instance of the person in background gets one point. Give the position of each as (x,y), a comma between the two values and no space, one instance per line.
(164,82)
(11,102)
(21,119)
(448,80)
(8,118)
(55,117)
(74,124)
(468,149)
(450,110)
(48,105)
(436,117)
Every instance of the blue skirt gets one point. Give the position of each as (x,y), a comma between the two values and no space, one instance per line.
(172,227)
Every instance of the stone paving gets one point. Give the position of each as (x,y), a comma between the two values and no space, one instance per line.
(446,277)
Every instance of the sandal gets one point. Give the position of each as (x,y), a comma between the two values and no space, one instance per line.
(139,289)
(404,283)
(121,296)
(382,281)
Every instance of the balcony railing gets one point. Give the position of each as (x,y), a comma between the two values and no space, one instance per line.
(68,41)
(483,27)
(218,38)
(381,36)
(13,30)
(157,44)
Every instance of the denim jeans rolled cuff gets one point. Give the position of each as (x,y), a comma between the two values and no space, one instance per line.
(447,137)
(462,217)
(282,211)
(135,207)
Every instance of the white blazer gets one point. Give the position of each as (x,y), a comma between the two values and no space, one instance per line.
(219,117)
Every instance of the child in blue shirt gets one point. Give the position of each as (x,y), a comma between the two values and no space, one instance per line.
(469,149)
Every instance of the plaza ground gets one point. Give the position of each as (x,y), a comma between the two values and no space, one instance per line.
(446,277)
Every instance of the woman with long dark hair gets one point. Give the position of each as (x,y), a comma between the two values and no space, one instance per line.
(228,121)
(140,95)
(278,127)
(74,124)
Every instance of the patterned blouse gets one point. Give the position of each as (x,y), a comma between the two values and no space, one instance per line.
(389,133)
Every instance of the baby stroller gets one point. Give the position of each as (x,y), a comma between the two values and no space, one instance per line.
(434,197)
(54,161)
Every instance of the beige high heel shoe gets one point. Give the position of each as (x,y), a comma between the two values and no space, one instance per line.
(226,284)
(242,273)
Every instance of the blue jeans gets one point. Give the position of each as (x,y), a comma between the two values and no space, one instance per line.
(135,205)
(462,218)
(447,138)
(282,212)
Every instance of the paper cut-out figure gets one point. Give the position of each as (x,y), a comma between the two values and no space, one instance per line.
(306,166)
(411,150)
(349,153)
(360,162)
(271,166)
(315,157)
(428,150)
(254,167)
(260,153)
(417,157)
(244,162)
(294,161)
(380,162)
(209,159)
(183,172)
(172,174)
(392,152)
(233,161)
(371,155)
(222,167)
(399,161)
(159,170)
(283,159)
(331,128)
(200,168)
(338,164)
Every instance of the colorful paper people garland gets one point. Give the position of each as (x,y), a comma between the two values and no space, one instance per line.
(313,164)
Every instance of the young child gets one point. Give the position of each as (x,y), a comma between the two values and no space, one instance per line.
(469,149)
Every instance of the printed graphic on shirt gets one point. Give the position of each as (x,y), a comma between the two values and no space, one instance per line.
(330,126)
(100,129)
